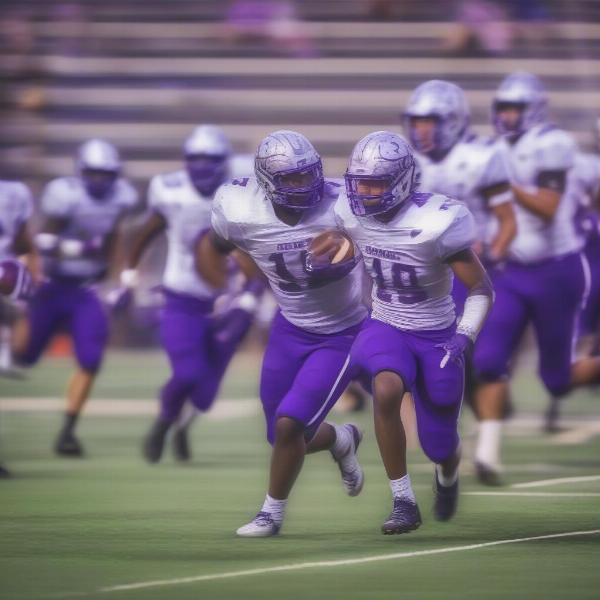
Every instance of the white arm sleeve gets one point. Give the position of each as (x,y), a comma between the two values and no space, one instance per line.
(477,306)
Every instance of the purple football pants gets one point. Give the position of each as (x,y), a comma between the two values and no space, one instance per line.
(415,356)
(76,308)
(303,374)
(548,295)
(198,362)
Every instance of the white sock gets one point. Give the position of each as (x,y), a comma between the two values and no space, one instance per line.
(443,480)
(5,350)
(401,488)
(343,441)
(488,443)
(276,508)
(188,413)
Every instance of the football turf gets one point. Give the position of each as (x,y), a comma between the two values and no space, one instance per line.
(83,528)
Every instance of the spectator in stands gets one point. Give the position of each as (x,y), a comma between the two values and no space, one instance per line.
(274,23)
(481,27)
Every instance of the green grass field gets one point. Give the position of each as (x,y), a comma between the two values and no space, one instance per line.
(84,528)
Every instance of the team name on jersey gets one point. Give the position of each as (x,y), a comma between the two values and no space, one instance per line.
(297,245)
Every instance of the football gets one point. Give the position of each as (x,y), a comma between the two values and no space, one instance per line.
(330,248)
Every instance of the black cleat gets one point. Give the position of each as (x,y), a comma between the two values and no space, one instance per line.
(181,444)
(405,517)
(487,475)
(5,473)
(445,500)
(154,443)
(68,445)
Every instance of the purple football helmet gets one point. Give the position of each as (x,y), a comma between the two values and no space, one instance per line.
(207,152)
(289,170)
(99,165)
(382,173)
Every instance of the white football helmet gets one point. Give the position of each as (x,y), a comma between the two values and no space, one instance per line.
(446,103)
(207,152)
(526,92)
(99,165)
(289,169)
(385,160)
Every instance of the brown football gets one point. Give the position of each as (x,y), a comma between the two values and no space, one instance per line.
(331,247)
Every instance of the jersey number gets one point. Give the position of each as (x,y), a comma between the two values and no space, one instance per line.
(288,282)
(404,284)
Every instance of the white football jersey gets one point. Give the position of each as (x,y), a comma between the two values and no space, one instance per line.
(472,166)
(243,215)
(16,207)
(87,219)
(542,148)
(406,258)
(583,186)
(187,214)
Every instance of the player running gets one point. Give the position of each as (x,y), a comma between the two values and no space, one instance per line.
(544,280)
(16,209)
(274,218)
(78,236)
(457,162)
(412,244)
(199,350)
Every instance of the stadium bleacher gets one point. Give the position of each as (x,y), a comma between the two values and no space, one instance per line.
(142,74)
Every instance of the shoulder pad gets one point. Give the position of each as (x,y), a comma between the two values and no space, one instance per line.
(172,180)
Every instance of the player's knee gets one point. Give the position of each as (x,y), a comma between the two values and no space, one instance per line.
(489,366)
(439,446)
(288,430)
(389,389)
(90,362)
(557,384)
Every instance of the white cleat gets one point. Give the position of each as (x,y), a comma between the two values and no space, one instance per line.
(353,476)
(262,525)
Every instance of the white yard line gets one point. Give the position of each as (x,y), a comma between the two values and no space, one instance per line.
(222,410)
(557,481)
(536,494)
(318,564)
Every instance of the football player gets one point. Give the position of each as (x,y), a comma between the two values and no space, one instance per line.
(274,218)
(457,162)
(16,283)
(77,238)
(583,187)
(544,278)
(180,204)
(16,208)
(412,244)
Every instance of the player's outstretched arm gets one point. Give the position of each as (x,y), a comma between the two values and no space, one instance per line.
(211,258)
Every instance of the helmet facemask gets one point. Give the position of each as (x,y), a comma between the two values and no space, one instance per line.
(509,118)
(296,189)
(424,133)
(98,183)
(377,194)
(206,172)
